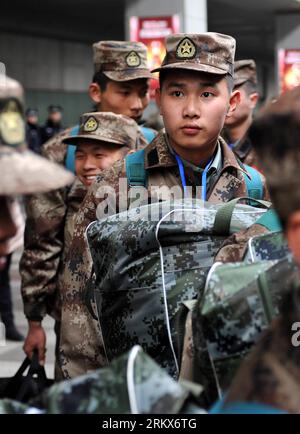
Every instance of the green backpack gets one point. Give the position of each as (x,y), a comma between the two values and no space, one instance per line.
(150,259)
(137,175)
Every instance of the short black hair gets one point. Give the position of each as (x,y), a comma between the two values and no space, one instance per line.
(249,86)
(31,112)
(101,79)
(54,109)
(230,82)
(163,73)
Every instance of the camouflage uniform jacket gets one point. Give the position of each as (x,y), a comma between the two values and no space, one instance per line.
(44,237)
(243,149)
(43,244)
(162,171)
(245,152)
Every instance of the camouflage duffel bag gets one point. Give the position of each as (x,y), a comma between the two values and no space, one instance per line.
(239,302)
(148,260)
(271,246)
(132,384)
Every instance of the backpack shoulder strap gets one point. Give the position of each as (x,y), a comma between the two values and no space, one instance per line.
(148,134)
(254,185)
(270,221)
(135,169)
(70,158)
(243,408)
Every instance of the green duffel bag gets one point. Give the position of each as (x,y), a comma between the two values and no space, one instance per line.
(239,302)
(132,384)
(150,259)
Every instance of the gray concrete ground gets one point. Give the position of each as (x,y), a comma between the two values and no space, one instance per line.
(11,353)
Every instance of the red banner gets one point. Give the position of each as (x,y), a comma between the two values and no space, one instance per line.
(289,69)
(152,31)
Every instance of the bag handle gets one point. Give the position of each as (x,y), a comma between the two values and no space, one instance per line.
(34,369)
(266,297)
(224,214)
(23,367)
(13,389)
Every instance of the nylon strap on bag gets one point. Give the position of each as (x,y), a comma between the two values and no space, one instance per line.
(266,297)
(224,214)
(135,169)
(70,158)
(254,184)
(148,134)
(270,221)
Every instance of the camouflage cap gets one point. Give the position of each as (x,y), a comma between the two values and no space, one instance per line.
(121,60)
(208,52)
(22,171)
(244,70)
(107,127)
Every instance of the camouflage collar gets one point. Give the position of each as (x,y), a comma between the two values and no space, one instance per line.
(229,159)
(215,165)
(242,147)
(158,155)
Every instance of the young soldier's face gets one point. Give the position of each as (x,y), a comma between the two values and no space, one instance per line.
(244,109)
(129,98)
(194,106)
(91,159)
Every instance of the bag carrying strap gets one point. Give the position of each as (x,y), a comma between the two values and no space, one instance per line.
(224,214)
(137,175)
(13,389)
(35,369)
(237,407)
(148,134)
(180,322)
(270,221)
(254,184)
(135,169)
(265,295)
(70,158)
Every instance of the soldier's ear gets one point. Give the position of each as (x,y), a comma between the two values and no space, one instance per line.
(235,99)
(158,99)
(95,93)
(293,234)
(254,99)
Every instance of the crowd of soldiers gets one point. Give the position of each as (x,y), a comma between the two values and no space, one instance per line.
(206,100)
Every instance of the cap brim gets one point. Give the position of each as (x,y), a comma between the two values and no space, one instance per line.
(127,75)
(94,138)
(192,67)
(26,173)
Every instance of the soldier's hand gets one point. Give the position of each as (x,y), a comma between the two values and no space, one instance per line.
(36,338)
